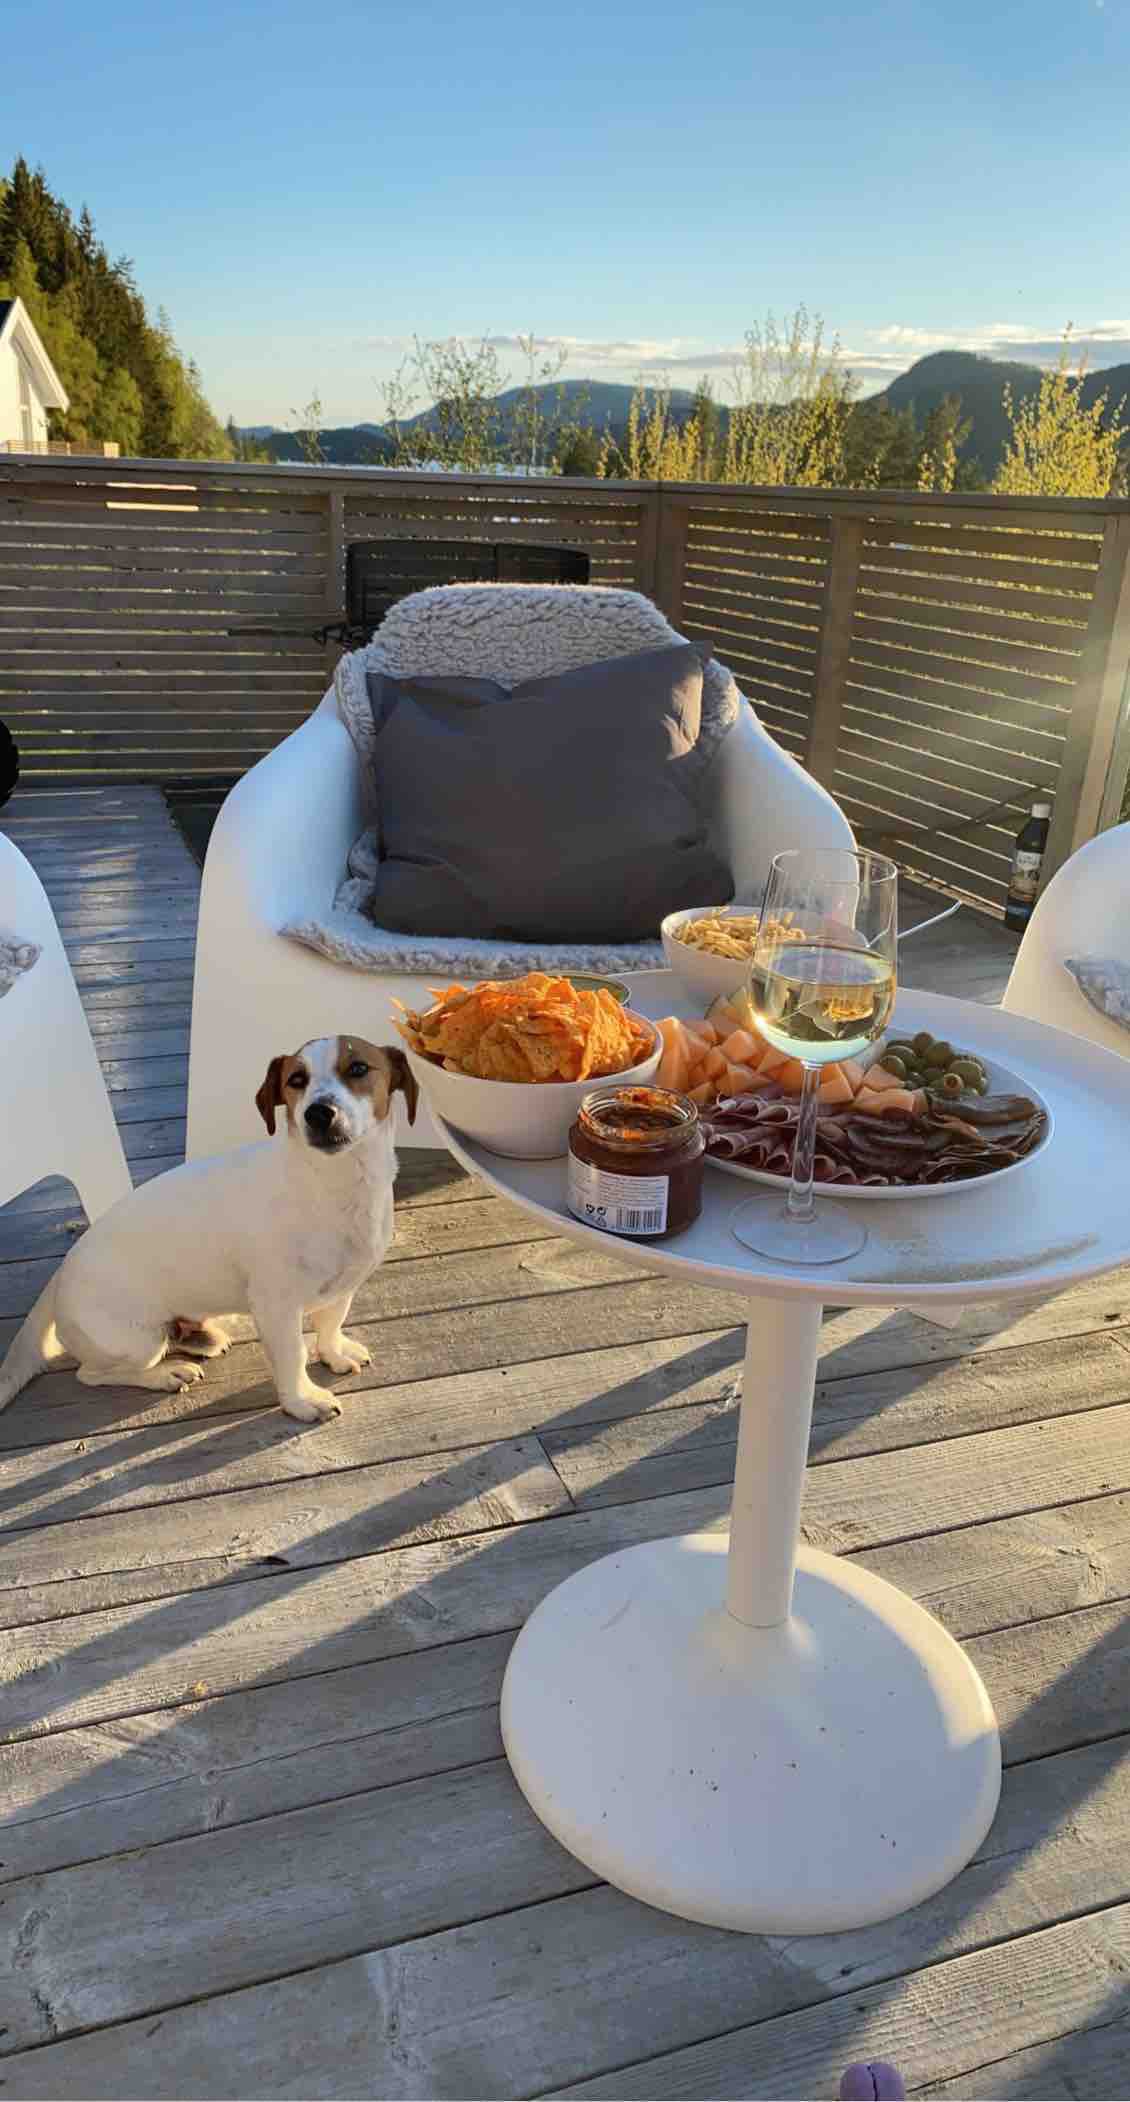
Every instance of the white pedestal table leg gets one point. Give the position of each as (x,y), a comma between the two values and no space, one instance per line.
(753,1734)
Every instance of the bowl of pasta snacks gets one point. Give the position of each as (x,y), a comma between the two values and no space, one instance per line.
(710,947)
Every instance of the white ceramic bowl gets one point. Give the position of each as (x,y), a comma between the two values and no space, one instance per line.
(702,976)
(519,1119)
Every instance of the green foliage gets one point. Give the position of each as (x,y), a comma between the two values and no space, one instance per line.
(1060,445)
(532,432)
(462,381)
(881,447)
(125,377)
(308,431)
(241,447)
(944,433)
(707,425)
(792,407)
(579,450)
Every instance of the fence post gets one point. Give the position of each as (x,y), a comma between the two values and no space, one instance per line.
(335,598)
(647,547)
(1092,773)
(670,556)
(823,743)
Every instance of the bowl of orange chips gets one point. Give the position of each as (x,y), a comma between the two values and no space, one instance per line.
(509,1061)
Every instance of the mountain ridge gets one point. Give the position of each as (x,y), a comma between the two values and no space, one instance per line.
(979,381)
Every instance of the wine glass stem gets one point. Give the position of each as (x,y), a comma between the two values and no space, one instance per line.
(801,1205)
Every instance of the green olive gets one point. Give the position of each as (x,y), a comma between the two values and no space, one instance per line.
(940,1055)
(952,1084)
(923,1042)
(982,1085)
(902,1047)
(892,1063)
(968,1070)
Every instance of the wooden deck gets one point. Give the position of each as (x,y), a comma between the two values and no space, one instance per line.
(260,1839)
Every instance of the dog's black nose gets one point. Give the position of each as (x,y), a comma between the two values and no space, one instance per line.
(320,1116)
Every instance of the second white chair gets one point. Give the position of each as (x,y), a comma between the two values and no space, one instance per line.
(59,1120)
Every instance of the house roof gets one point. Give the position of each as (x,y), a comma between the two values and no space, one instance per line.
(17,326)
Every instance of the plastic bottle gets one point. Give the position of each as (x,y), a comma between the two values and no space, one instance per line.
(1024,876)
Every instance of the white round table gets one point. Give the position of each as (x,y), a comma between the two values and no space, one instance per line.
(757,1735)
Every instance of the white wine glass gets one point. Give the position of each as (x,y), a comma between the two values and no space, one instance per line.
(821,986)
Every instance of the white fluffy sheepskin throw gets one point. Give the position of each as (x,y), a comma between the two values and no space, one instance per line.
(507,632)
(16,957)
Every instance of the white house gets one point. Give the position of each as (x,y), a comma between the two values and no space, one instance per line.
(29,383)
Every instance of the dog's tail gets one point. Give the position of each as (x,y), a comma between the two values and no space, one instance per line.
(35,1346)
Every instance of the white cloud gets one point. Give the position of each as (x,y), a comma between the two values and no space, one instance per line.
(875,356)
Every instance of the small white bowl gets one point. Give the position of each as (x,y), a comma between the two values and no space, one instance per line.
(702,976)
(522,1120)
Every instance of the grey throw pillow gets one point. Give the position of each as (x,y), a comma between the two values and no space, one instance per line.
(568,808)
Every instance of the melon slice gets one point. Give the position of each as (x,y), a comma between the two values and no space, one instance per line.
(741,1081)
(704,1093)
(875,1102)
(835,1087)
(790,1076)
(714,1064)
(878,1078)
(724,1018)
(675,1064)
(742,1049)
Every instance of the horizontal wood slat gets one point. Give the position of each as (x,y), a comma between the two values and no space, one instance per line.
(962,644)
(119,595)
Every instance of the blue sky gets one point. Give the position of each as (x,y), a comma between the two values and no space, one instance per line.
(304,187)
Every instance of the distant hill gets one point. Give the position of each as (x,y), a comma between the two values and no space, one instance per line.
(604,404)
(351,445)
(980,383)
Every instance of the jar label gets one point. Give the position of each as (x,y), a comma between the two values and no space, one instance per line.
(1025,879)
(628,1204)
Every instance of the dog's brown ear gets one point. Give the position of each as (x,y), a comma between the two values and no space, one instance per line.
(403,1078)
(270,1096)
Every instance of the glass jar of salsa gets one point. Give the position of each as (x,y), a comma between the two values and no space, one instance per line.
(636,1162)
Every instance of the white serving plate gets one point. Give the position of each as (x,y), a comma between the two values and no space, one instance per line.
(1003,1080)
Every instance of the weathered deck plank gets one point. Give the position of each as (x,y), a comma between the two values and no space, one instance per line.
(249,1681)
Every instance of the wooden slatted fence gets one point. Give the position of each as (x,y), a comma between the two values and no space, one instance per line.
(937,661)
(124,585)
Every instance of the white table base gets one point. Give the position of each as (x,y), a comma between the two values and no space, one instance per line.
(739,1749)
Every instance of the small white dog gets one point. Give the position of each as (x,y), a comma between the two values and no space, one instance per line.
(278,1229)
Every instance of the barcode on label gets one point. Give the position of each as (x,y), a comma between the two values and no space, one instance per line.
(632,1204)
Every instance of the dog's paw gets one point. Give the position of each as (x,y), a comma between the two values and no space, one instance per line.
(347,1357)
(177,1373)
(355,1350)
(305,1410)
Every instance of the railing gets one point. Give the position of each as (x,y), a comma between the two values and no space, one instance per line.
(937,661)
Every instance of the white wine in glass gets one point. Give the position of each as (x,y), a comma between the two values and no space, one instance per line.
(819,1000)
(822,987)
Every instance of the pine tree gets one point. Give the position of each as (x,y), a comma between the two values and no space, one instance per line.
(126,380)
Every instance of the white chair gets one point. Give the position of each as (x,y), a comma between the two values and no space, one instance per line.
(1083,913)
(58,1119)
(279,848)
